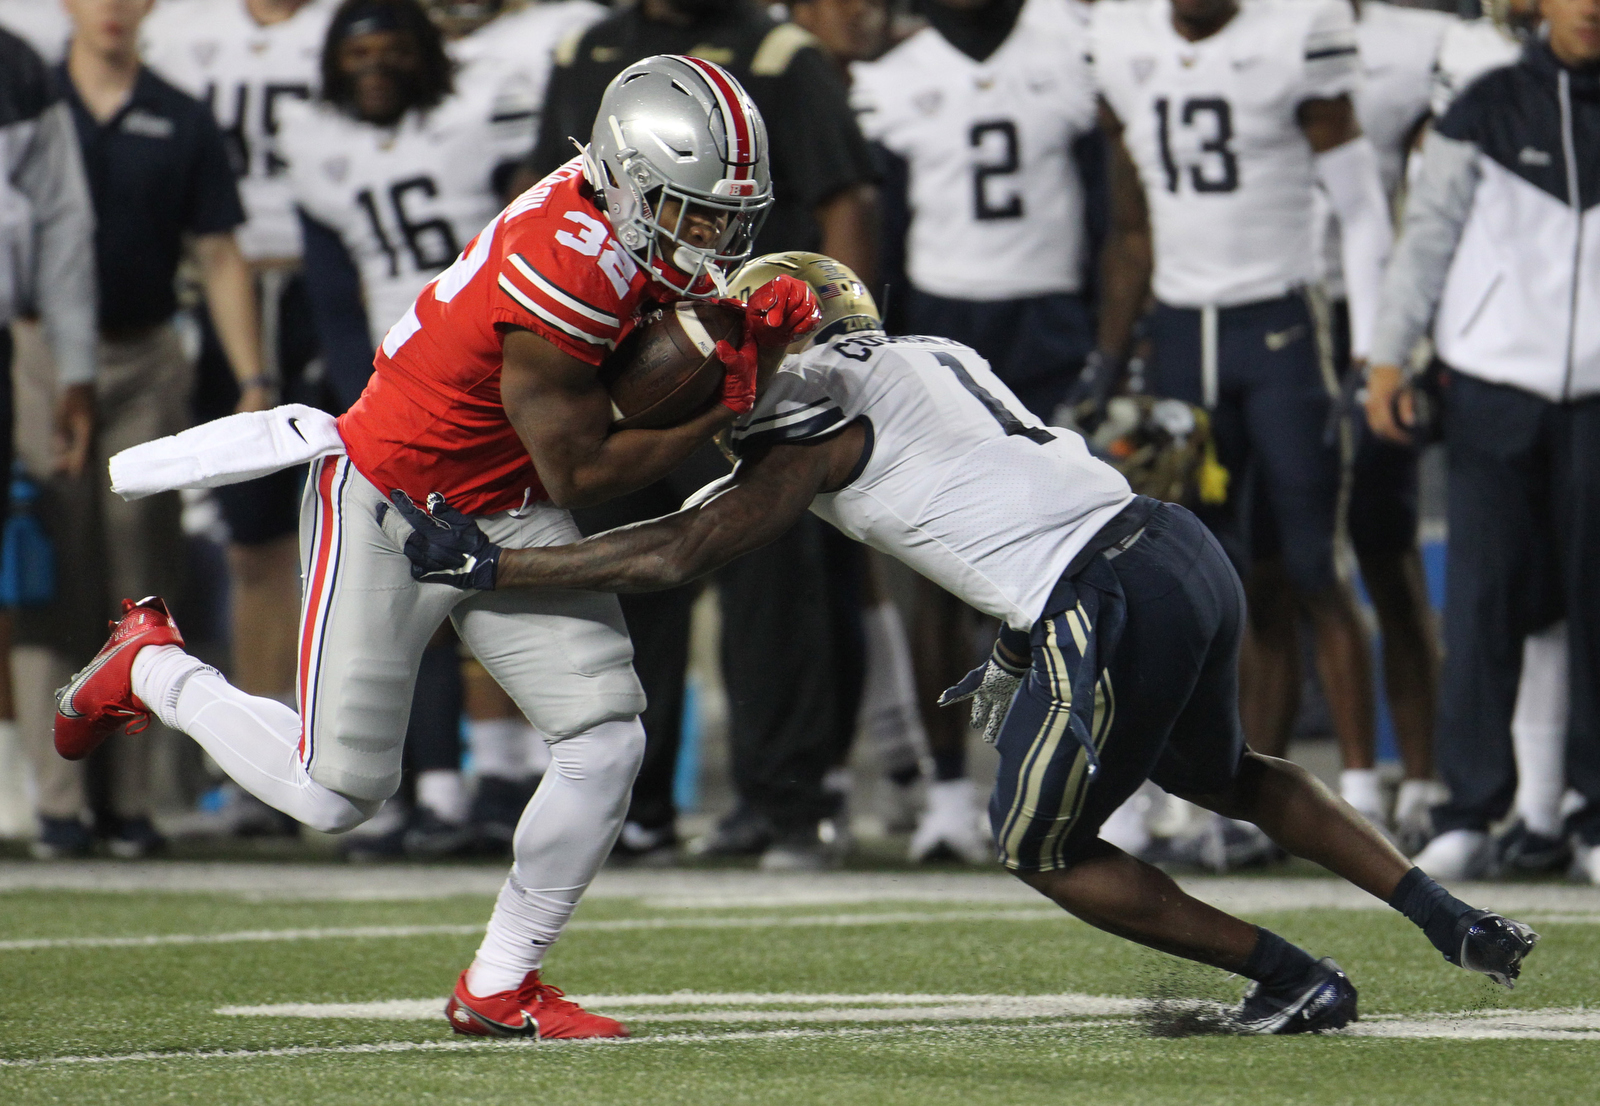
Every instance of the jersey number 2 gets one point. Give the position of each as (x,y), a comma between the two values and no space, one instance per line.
(1002,157)
(1220,171)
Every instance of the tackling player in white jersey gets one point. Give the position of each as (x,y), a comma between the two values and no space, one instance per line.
(1118,660)
(1226,116)
(982,115)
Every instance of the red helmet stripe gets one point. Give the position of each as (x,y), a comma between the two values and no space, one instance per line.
(741,132)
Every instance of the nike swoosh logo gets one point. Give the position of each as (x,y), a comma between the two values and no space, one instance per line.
(65,696)
(292,426)
(1278,339)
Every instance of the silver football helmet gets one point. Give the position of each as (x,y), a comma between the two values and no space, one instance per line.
(676,141)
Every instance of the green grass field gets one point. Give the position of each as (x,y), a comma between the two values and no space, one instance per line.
(867,988)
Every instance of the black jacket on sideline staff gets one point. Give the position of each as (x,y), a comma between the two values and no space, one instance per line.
(817,149)
(157,170)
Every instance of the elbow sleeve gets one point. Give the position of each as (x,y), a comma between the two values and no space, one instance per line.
(1349,175)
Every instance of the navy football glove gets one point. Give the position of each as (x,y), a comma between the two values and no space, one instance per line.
(446,547)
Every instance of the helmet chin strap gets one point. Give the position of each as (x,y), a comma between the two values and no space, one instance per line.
(694,263)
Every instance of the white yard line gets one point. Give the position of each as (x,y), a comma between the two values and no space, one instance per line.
(470,1045)
(600,925)
(833,1007)
(718,889)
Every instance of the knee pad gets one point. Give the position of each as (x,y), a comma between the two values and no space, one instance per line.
(612,749)
(611,697)
(339,813)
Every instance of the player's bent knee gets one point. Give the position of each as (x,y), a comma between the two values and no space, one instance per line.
(603,699)
(611,750)
(331,812)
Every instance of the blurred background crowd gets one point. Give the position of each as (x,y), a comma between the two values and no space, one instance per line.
(212,206)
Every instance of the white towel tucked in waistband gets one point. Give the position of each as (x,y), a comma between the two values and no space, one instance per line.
(226,451)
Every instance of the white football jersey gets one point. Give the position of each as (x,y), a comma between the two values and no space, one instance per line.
(405,200)
(43,24)
(1212,127)
(525,42)
(961,482)
(1470,48)
(213,49)
(1398,48)
(996,201)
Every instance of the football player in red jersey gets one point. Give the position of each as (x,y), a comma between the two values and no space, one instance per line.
(486,393)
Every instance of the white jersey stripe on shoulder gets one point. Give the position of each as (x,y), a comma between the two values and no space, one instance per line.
(551,317)
(530,274)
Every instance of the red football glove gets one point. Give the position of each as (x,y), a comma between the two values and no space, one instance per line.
(780,311)
(739,379)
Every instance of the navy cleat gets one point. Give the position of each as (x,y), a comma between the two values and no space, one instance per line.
(1325,1001)
(1494,945)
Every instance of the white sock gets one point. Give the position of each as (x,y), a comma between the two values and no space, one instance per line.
(1416,798)
(507,747)
(1360,788)
(442,791)
(1539,730)
(255,740)
(888,713)
(564,836)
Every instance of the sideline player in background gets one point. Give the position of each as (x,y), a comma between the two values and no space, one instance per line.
(247,59)
(486,391)
(1117,660)
(1226,115)
(982,115)
(1536,841)
(1398,48)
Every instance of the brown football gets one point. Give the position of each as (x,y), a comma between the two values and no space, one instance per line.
(667,369)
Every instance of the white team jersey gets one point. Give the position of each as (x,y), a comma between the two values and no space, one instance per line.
(1470,49)
(961,483)
(43,24)
(1398,48)
(213,49)
(1212,127)
(405,200)
(525,41)
(996,201)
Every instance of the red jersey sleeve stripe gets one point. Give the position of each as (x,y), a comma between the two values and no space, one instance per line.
(529,304)
(570,302)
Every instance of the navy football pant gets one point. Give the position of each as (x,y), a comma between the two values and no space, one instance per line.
(1270,407)
(1166,705)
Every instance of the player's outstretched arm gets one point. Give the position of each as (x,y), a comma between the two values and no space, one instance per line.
(1126,264)
(761,500)
(563,416)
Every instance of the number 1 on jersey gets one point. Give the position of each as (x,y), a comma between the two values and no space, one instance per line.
(1013,426)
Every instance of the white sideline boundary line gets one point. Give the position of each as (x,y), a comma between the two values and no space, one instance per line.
(600,925)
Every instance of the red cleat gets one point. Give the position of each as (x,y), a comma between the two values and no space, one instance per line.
(99,699)
(533,1010)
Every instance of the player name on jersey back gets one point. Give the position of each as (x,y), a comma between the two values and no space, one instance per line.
(996,198)
(246,72)
(1213,128)
(962,482)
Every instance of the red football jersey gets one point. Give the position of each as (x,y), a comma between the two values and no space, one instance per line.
(431,419)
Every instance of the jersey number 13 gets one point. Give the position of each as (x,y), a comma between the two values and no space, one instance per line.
(1218,168)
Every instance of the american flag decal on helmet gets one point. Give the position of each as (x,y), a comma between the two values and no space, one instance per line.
(742,156)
